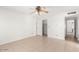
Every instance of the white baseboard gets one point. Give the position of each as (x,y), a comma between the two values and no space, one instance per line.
(20,38)
(57,37)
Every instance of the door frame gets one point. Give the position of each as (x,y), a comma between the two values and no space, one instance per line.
(75,25)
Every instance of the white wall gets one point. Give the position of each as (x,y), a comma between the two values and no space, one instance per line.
(15,26)
(77,26)
(39,25)
(56,26)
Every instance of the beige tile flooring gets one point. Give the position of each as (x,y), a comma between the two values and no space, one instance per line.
(40,44)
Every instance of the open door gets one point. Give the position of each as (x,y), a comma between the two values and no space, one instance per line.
(44,27)
(70,29)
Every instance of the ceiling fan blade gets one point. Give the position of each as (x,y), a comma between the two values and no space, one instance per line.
(39,10)
(43,11)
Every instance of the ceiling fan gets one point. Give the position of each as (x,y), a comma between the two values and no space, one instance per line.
(40,10)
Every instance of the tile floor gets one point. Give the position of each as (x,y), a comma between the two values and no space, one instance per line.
(40,44)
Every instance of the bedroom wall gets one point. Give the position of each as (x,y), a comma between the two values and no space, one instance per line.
(55,23)
(15,26)
(56,26)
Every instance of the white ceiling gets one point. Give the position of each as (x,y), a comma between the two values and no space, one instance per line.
(21,9)
(51,9)
(66,9)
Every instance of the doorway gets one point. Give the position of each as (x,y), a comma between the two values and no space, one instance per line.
(44,27)
(71,28)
